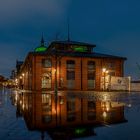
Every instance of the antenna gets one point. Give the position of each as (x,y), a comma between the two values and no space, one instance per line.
(68,20)
(42,39)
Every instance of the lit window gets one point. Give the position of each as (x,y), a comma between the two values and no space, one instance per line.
(46,80)
(46,99)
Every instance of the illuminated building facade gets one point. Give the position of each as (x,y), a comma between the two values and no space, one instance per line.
(68,65)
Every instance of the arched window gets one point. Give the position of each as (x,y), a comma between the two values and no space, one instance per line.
(46,80)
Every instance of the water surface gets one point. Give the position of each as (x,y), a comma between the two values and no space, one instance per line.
(31,116)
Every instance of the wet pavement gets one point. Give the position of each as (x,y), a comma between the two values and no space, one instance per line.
(11,127)
(14,128)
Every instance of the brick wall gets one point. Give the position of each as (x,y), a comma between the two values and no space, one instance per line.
(80,72)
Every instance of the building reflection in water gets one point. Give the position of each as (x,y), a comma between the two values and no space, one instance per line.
(70,117)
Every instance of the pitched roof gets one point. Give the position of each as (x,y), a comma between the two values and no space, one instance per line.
(79,54)
(92,55)
(73,43)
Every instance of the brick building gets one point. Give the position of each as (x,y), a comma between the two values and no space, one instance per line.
(68,65)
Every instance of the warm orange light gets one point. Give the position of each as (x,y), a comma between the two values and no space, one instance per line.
(104,70)
(16,79)
(104,114)
(54,69)
(108,108)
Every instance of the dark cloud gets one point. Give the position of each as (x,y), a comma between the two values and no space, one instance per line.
(21,25)
(20,8)
(113,25)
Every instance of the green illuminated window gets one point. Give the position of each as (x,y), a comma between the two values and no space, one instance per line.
(80,48)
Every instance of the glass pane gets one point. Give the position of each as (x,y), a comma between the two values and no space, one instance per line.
(70,64)
(46,118)
(46,99)
(91,105)
(71,105)
(91,65)
(70,75)
(91,75)
(46,80)
(47,63)
(70,84)
(91,84)
(71,116)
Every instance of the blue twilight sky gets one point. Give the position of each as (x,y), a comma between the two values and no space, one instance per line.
(113,25)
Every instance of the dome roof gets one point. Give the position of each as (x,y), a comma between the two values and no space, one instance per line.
(42,47)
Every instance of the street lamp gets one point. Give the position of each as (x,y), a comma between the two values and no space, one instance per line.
(105,72)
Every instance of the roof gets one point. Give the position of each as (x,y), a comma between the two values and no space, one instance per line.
(79,54)
(72,43)
(92,55)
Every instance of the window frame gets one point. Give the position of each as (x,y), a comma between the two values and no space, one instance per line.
(44,65)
